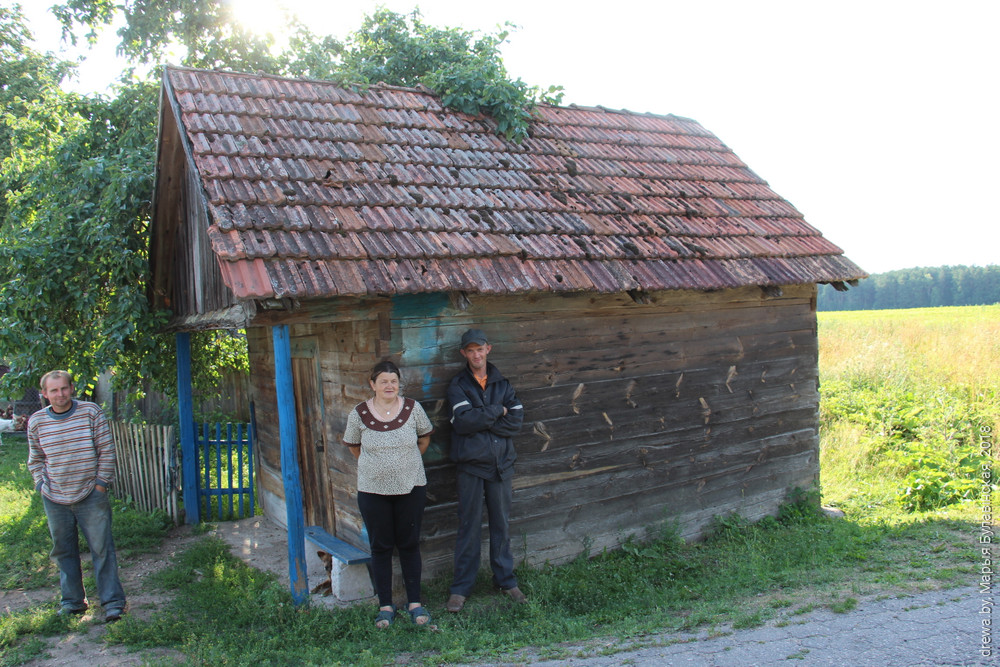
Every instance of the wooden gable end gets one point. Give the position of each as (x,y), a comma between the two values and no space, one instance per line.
(185,275)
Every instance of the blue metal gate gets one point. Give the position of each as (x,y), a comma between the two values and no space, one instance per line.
(225,471)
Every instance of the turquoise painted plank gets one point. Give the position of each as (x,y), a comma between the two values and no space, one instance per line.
(419,305)
(420,332)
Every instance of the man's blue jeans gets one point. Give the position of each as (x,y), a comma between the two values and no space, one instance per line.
(93,516)
(498,495)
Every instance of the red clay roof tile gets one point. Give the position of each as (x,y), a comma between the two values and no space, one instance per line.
(316,191)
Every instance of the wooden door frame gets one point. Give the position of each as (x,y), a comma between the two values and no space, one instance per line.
(317,508)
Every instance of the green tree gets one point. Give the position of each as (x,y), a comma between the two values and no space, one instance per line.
(204,31)
(918,288)
(465,70)
(79,170)
(29,92)
(73,252)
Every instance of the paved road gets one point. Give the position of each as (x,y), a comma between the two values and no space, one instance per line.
(935,628)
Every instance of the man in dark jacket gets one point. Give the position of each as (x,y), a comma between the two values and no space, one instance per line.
(485,414)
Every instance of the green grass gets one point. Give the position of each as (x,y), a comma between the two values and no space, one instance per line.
(954,346)
(889,393)
(744,575)
(24,533)
(908,398)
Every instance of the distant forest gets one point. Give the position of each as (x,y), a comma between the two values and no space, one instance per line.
(918,288)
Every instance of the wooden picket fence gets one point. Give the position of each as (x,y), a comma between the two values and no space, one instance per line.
(147,469)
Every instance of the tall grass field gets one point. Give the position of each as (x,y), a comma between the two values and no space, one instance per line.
(910,401)
(910,404)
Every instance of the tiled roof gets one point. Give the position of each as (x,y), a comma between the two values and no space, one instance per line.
(316,191)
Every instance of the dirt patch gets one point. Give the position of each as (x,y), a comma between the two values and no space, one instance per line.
(258,541)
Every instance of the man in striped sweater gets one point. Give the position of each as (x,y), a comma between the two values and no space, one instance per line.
(71,456)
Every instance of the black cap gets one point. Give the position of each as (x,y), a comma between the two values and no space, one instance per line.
(476,336)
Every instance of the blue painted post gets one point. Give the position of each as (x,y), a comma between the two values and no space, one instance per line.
(288,433)
(185,409)
(239,467)
(229,454)
(251,444)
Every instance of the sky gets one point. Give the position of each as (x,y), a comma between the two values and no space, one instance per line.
(877,119)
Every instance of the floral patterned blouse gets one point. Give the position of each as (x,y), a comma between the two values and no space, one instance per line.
(390,463)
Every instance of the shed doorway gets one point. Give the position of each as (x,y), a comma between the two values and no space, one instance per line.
(317,496)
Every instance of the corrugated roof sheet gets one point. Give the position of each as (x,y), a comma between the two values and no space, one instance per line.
(316,191)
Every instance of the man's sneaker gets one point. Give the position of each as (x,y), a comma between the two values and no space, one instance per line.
(455,603)
(515,595)
(112,615)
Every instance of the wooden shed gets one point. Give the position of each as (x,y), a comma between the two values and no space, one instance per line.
(650,297)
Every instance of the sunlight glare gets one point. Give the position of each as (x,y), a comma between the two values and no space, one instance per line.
(262,17)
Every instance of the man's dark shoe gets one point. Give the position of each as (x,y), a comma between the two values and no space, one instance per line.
(515,595)
(113,615)
(455,603)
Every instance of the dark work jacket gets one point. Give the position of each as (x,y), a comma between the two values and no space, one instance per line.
(481,433)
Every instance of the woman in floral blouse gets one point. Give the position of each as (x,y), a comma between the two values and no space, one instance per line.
(388,434)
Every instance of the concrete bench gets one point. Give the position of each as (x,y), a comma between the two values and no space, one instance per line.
(349,574)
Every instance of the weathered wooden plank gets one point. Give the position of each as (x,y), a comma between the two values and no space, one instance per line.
(501,309)
(557,540)
(595,425)
(546,402)
(593,481)
(656,452)
(611,481)
(768,363)
(612,464)
(579,327)
(678,356)
(690,399)
(269,479)
(143,466)
(560,525)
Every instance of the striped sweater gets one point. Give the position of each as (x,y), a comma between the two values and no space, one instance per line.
(70,453)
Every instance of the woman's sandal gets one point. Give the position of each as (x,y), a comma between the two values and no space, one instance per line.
(419,612)
(386,616)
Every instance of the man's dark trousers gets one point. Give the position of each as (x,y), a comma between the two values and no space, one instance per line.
(498,494)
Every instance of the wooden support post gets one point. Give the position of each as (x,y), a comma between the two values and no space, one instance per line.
(288,433)
(185,410)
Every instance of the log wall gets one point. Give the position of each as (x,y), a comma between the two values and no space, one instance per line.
(681,408)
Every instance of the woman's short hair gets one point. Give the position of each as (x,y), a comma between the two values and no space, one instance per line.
(384,367)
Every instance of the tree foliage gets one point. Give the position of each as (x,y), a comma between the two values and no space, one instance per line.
(28,81)
(205,31)
(70,296)
(918,288)
(77,171)
(465,70)
(73,250)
